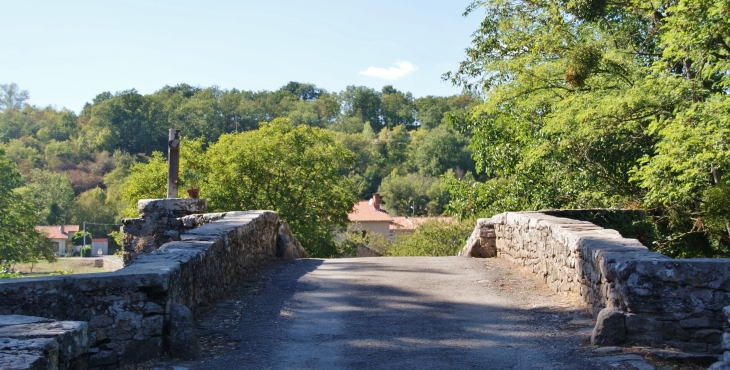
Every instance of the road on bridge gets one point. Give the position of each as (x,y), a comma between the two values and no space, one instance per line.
(397,313)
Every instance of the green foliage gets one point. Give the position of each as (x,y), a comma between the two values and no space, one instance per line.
(589,103)
(118,237)
(51,194)
(145,181)
(363,103)
(86,251)
(442,149)
(366,172)
(406,194)
(78,238)
(192,164)
(292,170)
(5,274)
(94,206)
(62,272)
(128,121)
(433,238)
(12,97)
(19,240)
(355,236)
(112,151)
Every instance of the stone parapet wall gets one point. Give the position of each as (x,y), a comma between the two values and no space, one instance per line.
(659,300)
(162,221)
(129,311)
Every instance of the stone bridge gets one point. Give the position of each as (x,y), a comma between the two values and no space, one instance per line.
(229,291)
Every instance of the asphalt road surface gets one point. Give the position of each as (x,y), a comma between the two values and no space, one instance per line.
(397,313)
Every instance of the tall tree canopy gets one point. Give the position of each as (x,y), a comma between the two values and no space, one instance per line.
(294,170)
(592,103)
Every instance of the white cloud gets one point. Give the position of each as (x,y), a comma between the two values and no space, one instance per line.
(401,69)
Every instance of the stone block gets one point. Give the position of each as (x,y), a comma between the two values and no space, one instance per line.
(172,206)
(24,361)
(182,339)
(151,307)
(687,346)
(726,341)
(72,336)
(610,327)
(100,321)
(45,348)
(152,326)
(103,358)
(696,322)
(707,335)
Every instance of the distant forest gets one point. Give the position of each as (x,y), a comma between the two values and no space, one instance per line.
(75,165)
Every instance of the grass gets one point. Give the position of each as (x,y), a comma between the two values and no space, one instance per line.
(73,265)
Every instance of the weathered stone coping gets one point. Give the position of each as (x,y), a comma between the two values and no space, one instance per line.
(28,342)
(649,297)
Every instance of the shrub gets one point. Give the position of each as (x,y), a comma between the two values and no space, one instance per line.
(433,238)
(5,274)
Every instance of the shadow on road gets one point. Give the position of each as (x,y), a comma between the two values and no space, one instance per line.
(390,313)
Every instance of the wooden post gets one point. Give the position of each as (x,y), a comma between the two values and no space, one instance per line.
(173,162)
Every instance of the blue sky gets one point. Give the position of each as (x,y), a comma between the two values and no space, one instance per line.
(66,52)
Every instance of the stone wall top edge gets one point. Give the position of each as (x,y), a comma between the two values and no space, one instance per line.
(534,215)
(230,222)
(174,205)
(91,282)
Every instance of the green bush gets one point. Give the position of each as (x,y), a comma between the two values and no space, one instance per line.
(355,236)
(433,238)
(5,274)
(86,251)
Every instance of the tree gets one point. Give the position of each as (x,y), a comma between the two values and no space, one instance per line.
(363,103)
(51,194)
(80,237)
(406,195)
(145,181)
(613,104)
(365,172)
(12,97)
(294,170)
(95,207)
(19,240)
(127,121)
(307,92)
(397,108)
(433,238)
(440,150)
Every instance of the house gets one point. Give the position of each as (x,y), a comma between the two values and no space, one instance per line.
(367,215)
(60,236)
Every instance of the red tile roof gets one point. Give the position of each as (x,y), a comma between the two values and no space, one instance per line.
(364,211)
(54,232)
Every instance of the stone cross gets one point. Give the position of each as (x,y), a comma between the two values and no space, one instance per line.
(173,162)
